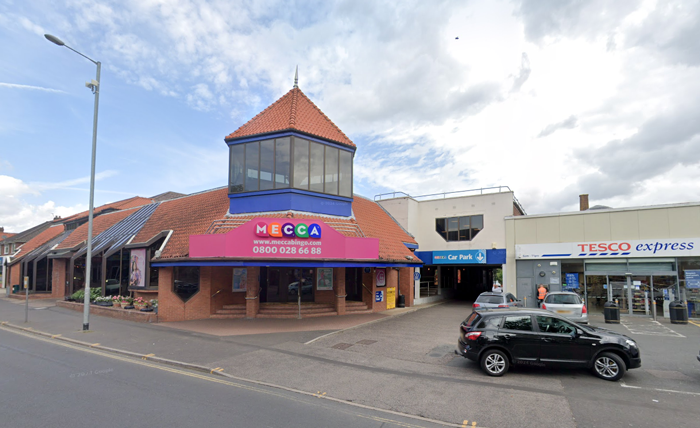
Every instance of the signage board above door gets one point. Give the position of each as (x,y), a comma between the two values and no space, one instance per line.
(621,248)
(459,257)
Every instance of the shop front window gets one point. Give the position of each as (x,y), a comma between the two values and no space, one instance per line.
(186,281)
(689,277)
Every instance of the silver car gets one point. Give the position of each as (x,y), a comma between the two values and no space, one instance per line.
(566,304)
(491,300)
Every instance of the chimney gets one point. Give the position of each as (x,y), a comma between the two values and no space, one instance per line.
(2,229)
(583,201)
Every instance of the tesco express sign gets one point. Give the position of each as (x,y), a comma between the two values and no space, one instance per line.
(627,248)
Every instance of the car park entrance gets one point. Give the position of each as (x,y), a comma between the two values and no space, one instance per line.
(460,282)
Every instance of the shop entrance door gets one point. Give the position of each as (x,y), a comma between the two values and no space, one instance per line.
(663,285)
(283,284)
(642,294)
(596,292)
(618,292)
(353,284)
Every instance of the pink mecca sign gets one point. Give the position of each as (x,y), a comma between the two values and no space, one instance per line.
(284,238)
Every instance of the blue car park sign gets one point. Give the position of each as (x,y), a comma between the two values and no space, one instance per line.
(459,257)
(379,296)
(692,278)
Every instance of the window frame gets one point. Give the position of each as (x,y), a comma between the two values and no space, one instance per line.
(563,321)
(532,324)
(199,282)
(343,166)
(470,235)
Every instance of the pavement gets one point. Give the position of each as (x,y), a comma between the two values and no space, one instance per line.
(197,342)
(402,360)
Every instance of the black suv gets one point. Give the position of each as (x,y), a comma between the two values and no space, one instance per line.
(498,338)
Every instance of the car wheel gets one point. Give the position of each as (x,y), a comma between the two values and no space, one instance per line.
(609,366)
(494,362)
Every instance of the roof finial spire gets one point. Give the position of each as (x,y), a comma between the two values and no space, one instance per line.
(296,77)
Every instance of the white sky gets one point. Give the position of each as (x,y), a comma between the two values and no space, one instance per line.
(552,98)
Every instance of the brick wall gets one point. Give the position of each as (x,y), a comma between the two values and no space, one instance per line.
(252,303)
(222,282)
(406,284)
(16,275)
(58,278)
(170,305)
(339,290)
(326,296)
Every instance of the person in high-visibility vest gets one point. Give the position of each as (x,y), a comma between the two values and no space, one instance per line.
(541,292)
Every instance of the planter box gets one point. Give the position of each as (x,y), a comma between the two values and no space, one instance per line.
(111,312)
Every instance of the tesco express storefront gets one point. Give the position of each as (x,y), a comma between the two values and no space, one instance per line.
(635,273)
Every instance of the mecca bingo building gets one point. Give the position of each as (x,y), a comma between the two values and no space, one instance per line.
(286,237)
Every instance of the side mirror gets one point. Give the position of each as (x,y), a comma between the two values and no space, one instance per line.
(577,333)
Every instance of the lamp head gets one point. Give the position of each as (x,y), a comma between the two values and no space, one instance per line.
(54,39)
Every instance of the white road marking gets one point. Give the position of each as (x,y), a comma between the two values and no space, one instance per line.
(654,328)
(624,385)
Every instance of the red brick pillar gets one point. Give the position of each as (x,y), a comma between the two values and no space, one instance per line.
(392,281)
(370,285)
(252,294)
(339,288)
(15,275)
(407,285)
(170,306)
(58,278)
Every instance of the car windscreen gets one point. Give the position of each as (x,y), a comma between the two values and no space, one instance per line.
(489,299)
(563,299)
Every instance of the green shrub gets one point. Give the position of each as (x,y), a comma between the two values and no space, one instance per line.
(79,295)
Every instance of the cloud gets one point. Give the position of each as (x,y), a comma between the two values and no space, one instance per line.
(569,123)
(549,20)
(70,184)
(17,215)
(672,31)
(523,73)
(34,88)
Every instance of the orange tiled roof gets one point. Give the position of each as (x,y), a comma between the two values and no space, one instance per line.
(376,223)
(294,111)
(5,235)
(190,215)
(99,225)
(39,240)
(193,215)
(136,201)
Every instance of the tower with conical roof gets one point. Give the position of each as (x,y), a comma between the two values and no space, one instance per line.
(291,156)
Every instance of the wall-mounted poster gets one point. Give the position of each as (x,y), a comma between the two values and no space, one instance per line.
(324,279)
(240,279)
(381,277)
(137,268)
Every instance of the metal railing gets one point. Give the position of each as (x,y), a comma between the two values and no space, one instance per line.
(445,195)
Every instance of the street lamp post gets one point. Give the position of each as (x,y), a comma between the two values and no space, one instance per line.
(95,87)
